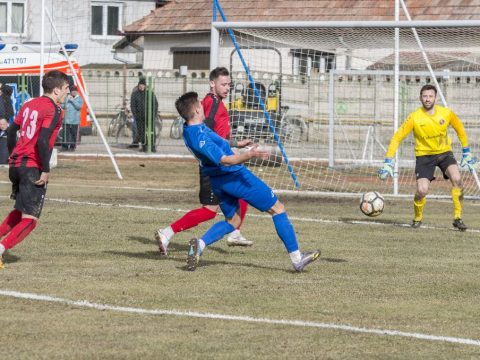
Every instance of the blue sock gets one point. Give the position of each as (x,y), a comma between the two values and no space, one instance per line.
(216,232)
(285,231)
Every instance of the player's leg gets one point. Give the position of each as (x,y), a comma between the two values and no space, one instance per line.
(235,238)
(424,170)
(286,233)
(29,202)
(419,201)
(453,173)
(194,217)
(12,219)
(260,196)
(231,209)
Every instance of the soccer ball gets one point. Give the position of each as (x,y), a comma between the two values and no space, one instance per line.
(372,204)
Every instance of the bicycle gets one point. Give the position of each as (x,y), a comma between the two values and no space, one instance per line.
(128,129)
(123,126)
(123,117)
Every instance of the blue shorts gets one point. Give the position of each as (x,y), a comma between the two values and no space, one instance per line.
(242,184)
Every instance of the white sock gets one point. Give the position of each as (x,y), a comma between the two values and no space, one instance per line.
(168,232)
(295,256)
(2,249)
(235,233)
(201,246)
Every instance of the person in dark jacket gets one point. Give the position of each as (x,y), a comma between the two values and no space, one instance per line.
(6,107)
(138,105)
(3,141)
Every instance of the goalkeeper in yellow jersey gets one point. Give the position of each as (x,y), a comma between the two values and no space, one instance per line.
(433,147)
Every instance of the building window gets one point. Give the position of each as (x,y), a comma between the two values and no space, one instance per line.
(306,62)
(12,17)
(194,58)
(106,19)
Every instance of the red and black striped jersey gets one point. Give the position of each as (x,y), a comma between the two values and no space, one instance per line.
(36,114)
(222,122)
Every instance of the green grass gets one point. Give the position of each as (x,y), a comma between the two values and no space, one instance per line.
(374,276)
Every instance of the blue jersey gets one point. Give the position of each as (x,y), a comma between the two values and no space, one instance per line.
(208,148)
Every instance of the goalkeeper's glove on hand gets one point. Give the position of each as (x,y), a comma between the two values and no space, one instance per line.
(468,160)
(386,170)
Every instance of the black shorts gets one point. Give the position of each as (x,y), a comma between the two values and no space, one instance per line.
(29,198)
(425,165)
(206,195)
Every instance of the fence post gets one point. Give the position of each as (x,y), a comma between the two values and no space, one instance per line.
(149,118)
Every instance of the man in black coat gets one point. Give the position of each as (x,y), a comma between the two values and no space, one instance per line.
(138,105)
(6,107)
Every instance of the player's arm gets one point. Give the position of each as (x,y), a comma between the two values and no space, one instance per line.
(388,164)
(207,104)
(240,158)
(44,154)
(50,119)
(467,159)
(43,148)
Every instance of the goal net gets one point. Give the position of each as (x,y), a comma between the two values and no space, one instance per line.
(328,94)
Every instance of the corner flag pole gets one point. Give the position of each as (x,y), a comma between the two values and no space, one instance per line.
(87,101)
(42,46)
(427,61)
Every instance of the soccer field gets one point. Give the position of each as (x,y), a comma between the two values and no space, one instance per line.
(90,283)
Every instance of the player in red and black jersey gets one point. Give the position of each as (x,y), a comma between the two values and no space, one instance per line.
(217,119)
(37,125)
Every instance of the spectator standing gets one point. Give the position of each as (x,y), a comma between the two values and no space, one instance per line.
(3,141)
(6,107)
(138,105)
(72,105)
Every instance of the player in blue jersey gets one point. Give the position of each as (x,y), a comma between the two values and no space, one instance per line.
(232,181)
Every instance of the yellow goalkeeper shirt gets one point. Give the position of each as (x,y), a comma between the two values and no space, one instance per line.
(430,132)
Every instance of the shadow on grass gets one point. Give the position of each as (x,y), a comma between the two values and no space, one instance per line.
(143,240)
(332,260)
(175,246)
(9,258)
(155,255)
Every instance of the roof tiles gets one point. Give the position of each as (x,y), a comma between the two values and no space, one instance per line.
(196,15)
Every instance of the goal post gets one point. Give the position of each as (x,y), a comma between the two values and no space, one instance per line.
(333,99)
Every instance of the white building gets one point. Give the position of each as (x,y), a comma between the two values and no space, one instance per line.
(94,25)
(179,32)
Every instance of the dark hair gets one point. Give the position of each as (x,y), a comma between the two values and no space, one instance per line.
(185,104)
(7,90)
(217,72)
(428,87)
(142,81)
(53,79)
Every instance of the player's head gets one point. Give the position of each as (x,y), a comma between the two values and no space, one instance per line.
(55,85)
(189,107)
(7,90)
(3,124)
(428,94)
(220,82)
(73,90)
(142,84)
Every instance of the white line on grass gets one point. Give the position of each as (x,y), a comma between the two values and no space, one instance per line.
(193,314)
(401,197)
(315,220)
(324,221)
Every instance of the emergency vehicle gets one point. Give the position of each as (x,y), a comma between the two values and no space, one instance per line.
(20,69)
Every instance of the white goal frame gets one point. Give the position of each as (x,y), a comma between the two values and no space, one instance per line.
(217,26)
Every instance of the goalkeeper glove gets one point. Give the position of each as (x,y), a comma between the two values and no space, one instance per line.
(468,160)
(386,169)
